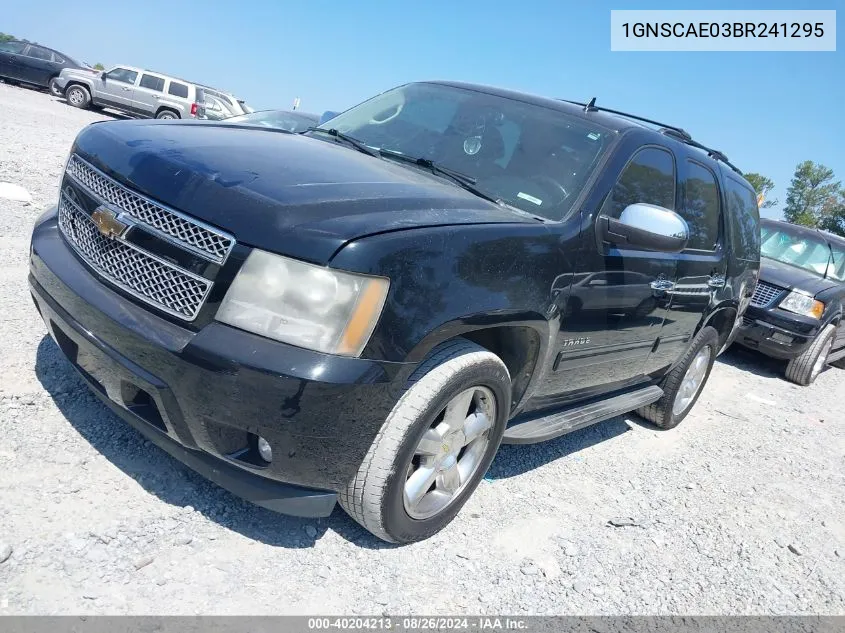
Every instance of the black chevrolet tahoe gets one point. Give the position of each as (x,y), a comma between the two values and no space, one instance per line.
(796,311)
(365,311)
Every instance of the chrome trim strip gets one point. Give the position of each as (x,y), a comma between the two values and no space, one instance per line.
(148,227)
(64,199)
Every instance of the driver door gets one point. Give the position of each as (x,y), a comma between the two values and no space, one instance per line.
(116,88)
(617,308)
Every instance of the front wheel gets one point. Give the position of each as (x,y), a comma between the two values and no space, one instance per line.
(435,446)
(78,97)
(805,368)
(683,385)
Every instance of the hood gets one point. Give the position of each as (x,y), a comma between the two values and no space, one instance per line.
(786,276)
(286,193)
(78,71)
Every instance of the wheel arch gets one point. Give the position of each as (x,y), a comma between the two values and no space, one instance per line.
(722,319)
(521,342)
(79,82)
(168,109)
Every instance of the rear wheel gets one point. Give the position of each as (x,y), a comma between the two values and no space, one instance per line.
(804,369)
(167,114)
(683,385)
(434,447)
(53,87)
(78,96)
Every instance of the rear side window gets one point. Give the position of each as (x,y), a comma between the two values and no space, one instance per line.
(152,82)
(744,218)
(58,58)
(40,53)
(701,207)
(649,178)
(178,90)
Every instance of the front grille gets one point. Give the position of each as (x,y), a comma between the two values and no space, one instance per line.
(189,233)
(150,279)
(765,294)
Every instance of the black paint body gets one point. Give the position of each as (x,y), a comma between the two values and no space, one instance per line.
(458,266)
(27,68)
(796,332)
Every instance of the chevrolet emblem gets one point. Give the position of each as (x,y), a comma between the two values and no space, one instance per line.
(107,223)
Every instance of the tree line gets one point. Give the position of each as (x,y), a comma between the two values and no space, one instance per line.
(814,197)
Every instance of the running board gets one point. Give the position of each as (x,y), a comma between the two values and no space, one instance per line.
(554,425)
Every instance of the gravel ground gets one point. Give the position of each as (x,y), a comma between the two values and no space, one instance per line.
(735,512)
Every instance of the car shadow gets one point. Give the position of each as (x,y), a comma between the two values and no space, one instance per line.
(752,361)
(114,114)
(517,459)
(168,479)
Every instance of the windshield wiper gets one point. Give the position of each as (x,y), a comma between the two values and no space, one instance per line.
(461,179)
(829,260)
(346,139)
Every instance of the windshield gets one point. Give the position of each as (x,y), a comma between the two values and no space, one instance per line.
(277,119)
(809,253)
(531,157)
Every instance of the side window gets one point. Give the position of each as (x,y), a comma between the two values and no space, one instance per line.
(16,48)
(178,90)
(40,53)
(152,82)
(649,178)
(744,219)
(701,207)
(58,58)
(123,75)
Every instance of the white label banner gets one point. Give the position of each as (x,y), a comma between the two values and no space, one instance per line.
(713,30)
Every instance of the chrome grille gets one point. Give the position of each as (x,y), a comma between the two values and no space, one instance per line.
(203,240)
(765,294)
(150,279)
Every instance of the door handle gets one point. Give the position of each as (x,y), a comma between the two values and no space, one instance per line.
(716,281)
(127,89)
(663,285)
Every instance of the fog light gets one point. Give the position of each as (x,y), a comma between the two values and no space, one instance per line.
(264,450)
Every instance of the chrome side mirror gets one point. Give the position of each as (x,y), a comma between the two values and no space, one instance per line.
(648,227)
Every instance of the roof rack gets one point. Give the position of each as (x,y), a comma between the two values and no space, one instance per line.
(671,131)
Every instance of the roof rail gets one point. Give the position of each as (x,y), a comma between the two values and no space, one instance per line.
(671,131)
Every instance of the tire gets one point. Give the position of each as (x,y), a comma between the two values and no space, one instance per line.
(78,96)
(663,413)
(167,114)
(53,88)
(375,497)
(804,369)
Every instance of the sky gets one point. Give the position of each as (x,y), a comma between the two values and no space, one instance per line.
(766,111)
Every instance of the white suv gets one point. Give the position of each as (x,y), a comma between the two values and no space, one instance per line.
(135,91)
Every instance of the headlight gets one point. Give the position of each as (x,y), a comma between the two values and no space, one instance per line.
(302,304)
(801,302)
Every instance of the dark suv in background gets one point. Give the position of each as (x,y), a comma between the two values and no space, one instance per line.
(365,311)
(796,311)
(33,64)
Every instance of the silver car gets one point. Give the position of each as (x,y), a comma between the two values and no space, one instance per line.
(134,91)
(220,105)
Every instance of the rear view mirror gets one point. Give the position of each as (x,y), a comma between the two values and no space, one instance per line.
(646,226)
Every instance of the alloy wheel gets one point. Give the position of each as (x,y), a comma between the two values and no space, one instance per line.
(692,381)
(449,453)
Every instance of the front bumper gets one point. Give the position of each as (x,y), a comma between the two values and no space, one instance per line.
(777,333)
(205,397)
